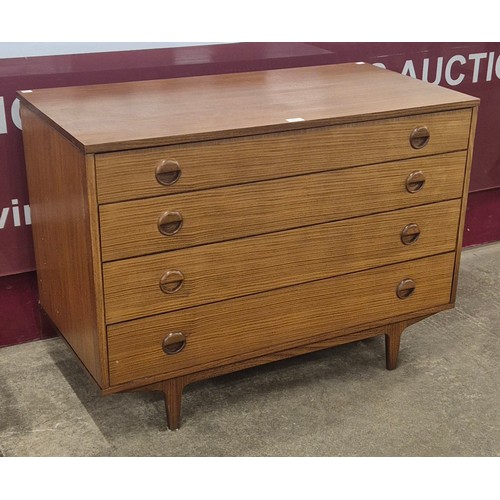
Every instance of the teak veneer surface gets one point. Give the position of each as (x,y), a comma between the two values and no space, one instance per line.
(130,228)
(62,191)
(130,174)
(294,189)
(465,195)
(127,115)
(242,326)
(250,265)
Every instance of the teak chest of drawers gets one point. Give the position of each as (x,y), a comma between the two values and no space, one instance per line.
(191,227)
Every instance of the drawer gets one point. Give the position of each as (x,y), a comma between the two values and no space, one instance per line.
(131,228)
(210,273)
(131,174)
(246,327)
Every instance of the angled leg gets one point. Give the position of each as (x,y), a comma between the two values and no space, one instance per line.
(172,391)
(392,342)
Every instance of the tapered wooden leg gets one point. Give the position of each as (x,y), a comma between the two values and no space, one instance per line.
(392,342)
(172,391)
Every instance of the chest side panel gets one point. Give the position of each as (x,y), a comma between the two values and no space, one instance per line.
(64,221)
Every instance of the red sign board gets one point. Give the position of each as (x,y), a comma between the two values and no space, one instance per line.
(472,68)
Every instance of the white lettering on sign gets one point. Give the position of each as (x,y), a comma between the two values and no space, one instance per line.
(409,69)
(27,215)
(449,71)
(3,121)
(497,68)
(477,62)
(489,71)
(3,216)
(449,79)
(439,70)
(15,115)
(16,215)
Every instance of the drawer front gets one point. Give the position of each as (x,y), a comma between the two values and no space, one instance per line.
(131,175)
(169,281)
(131,228)
(243,328)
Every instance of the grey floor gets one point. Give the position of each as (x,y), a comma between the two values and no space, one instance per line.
(443,400)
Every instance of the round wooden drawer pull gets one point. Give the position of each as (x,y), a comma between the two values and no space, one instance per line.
(173,343)
(405,288)
(171,281)
(168,172)
(415,181)
(410,234)
(419,138)
(170,223)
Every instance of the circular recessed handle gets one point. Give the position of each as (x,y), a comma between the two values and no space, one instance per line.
(410,234)
(173,343)
(419,138)
(171,281)
(405,288)
(170,222)
(415,181)
(168,172)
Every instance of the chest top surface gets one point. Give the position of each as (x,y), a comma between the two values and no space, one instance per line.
(111,117)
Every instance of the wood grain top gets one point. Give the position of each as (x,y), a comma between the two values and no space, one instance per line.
(112,117)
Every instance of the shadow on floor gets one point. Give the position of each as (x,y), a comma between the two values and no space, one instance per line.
(249,385)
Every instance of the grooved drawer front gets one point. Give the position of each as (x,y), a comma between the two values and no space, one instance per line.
(131,174)
(249,265)
(130,228)
(243,327)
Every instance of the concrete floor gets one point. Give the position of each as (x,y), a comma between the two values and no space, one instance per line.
(443,400)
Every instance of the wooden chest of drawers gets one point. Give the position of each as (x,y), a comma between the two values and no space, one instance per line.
(192,227)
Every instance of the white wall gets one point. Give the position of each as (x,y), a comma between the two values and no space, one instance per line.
(30,49)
